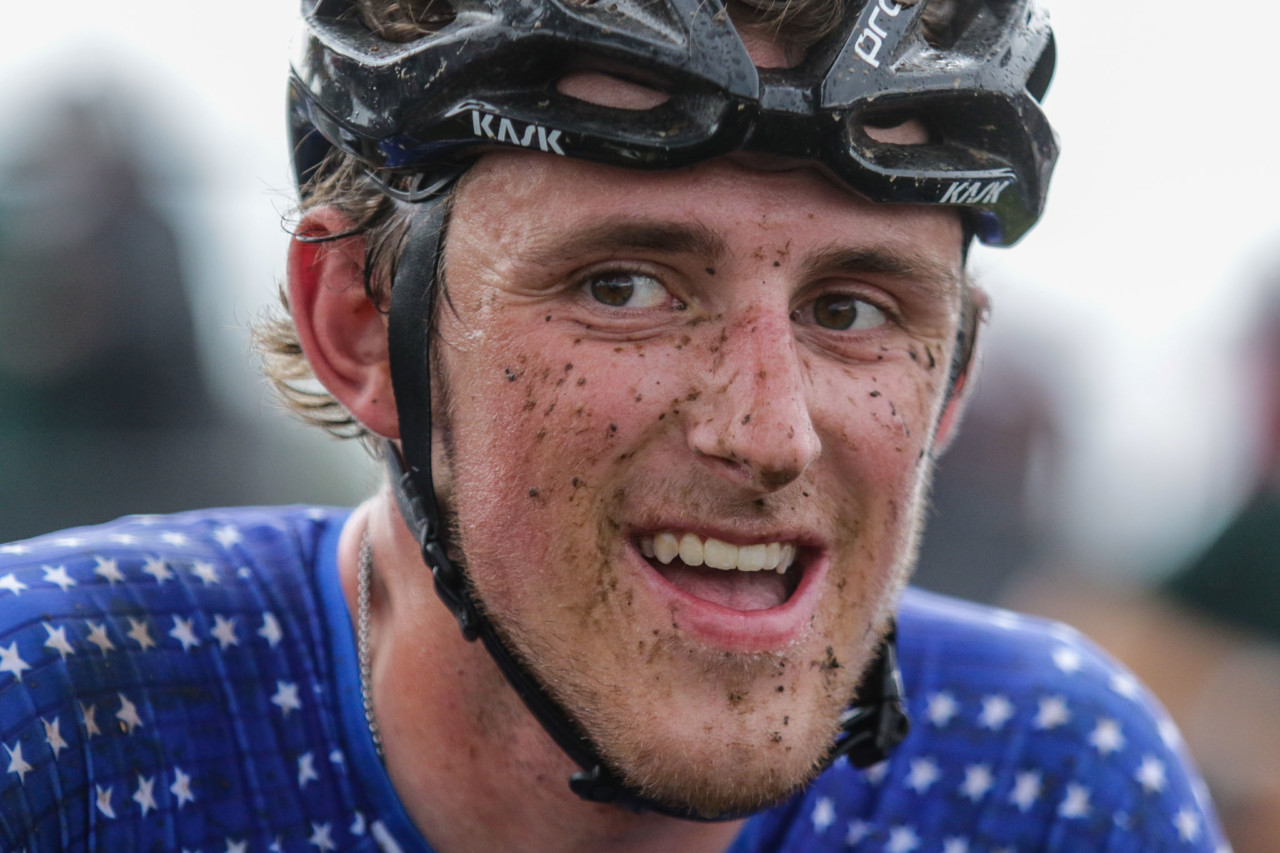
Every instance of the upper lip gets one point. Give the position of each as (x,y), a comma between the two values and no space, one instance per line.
(734,535)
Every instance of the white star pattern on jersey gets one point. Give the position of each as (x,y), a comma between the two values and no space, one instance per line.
(977,781)
(89,714)
(109,570)
(128,714)
(53,736)
(58,640)
(996,711)
(1053,713)
(158,569)
(1076,803)
(1125,684)
(98,636)
(1026,789)
(270,630)
(207,572)
(1169,733)
(227,536)
(144,796)
(1106,737)
(1188,825)
(942,707)
(184,632)
(307,770)
(824,814)
(1067,659)
(11,583)
(16,762)
(286,697)
(181,787)
(140,634)
(224,630)
(321,836)
(58,575)
(104,801)
(1151,774)
(924,772)
(12,662)
(902,839)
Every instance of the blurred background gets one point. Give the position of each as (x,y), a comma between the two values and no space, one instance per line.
(1117,467)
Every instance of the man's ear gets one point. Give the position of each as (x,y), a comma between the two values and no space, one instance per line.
(964,368)
(343,334)
(953,410)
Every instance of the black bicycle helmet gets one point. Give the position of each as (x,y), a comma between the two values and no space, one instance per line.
(488,76)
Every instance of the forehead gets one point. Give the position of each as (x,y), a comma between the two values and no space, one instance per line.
(518,198)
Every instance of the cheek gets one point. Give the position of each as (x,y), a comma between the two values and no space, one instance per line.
(540,432)
(881,419)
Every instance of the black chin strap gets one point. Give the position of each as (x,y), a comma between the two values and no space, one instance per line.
(869,729)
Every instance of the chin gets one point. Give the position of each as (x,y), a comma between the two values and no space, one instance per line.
(734,748)
(727,776)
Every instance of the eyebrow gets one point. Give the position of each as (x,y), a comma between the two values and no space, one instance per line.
(677,238)
(908,265)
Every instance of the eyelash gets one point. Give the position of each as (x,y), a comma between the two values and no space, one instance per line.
(809,311)
(588,282)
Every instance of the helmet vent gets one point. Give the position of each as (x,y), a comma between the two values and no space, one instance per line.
(607,90)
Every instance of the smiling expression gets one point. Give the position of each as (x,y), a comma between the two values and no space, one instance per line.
(686,440)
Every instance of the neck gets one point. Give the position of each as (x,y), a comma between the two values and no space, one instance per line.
(474,770)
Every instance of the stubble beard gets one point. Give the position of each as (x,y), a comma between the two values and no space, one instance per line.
(753,750)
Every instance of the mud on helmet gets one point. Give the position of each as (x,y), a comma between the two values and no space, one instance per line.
(416,114)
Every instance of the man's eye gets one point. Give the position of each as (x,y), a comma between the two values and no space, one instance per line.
(842,312)
(627,290)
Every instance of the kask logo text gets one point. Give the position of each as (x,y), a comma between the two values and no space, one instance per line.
(487,125)
(974,192)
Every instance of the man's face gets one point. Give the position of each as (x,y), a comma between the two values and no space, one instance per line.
(745,365)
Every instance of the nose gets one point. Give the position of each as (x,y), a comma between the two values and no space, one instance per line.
(752,422)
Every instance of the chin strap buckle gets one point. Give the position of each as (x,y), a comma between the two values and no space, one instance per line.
(879,721)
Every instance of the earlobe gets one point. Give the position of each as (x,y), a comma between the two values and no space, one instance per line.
(343,334)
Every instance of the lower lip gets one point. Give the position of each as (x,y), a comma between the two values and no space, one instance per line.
(740,630)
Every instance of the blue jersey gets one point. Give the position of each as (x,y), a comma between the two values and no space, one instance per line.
(189,683)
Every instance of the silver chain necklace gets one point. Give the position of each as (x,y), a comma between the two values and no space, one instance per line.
(363,582)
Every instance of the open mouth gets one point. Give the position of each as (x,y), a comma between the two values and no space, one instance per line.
(759,576)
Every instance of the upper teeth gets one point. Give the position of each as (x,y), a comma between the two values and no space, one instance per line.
(694,550)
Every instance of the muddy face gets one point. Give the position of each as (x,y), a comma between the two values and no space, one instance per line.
(690,424)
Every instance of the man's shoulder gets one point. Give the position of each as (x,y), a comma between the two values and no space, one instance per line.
(222,535)
(143,660)
(1008,668)
(1024,735)
(81,586)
